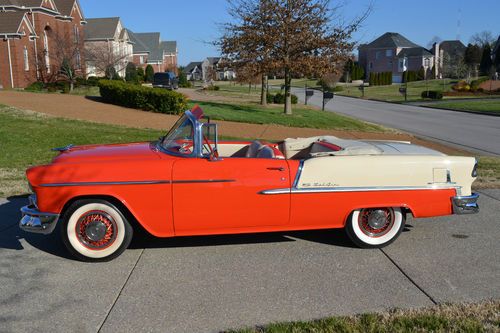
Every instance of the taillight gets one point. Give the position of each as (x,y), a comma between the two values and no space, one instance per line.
(474,170)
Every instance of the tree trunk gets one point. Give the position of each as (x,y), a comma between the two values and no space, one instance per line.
(263,90)
(288,96)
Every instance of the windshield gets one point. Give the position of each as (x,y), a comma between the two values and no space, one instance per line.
(180,139)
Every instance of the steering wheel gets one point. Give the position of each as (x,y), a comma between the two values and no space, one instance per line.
(212,152)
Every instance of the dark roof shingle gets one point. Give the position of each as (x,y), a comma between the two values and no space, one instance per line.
(391,40)
(414,52)
(64,6)
(192,66)
(10,22)
(101,28)
(169,46)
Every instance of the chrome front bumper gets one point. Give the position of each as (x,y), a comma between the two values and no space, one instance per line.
(465,204)
(35,221)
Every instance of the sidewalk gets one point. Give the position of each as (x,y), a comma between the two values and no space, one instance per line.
(83,108)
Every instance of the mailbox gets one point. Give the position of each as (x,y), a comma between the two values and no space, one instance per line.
(309,93)
(327,95)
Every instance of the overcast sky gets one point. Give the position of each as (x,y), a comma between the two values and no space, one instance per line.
(194,23)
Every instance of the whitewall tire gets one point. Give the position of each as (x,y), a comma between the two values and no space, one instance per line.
(375,227)
(95,230)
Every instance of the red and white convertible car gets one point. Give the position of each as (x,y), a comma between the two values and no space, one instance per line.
(189,183)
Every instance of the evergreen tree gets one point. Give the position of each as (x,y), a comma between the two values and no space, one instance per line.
(486,63)
(140,74)
(421,73)
(150,72)
(131,73)
(497,58)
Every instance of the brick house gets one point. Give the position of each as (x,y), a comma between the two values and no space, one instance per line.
(31,35)
(149,49)
(107,43)
(194,71)
(447,48)
(394,53)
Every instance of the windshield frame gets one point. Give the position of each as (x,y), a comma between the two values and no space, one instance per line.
(196,152)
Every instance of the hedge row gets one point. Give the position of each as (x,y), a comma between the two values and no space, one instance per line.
(279,98)
(380,79)
(144,98)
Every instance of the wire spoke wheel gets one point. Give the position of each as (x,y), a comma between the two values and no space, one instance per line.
(375,227)
(96,230)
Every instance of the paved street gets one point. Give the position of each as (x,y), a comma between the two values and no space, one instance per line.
(475,132)
(206,284)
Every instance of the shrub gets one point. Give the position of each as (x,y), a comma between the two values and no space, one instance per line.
(35,86)
(432,94)
(93,81)
(144,98)
(80,81)
(279,98)
(461,86)
(212,87)
(140,74)
(150,73)
(131,73)
(269,98)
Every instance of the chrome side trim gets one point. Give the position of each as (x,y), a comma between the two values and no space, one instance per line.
(188,181)
(299,172)
(355,189)
(140,182)
(465,204)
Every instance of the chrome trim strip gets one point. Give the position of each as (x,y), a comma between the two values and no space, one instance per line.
(140,182)
(355,189)
(188,181)
(299,172)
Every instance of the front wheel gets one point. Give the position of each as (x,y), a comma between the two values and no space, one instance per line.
(95,230)
(375,227)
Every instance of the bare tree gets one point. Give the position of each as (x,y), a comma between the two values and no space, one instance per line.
(62,61)
(435,39)
(103,57)
(482,38)
(296,37)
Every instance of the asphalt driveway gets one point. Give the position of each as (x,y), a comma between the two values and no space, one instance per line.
(207,284)
(474,132)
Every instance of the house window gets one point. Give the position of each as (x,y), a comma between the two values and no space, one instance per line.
(426,62)
(77,34)
(26,59)
(46,50)
(378,55)
(402,64)
(388,53)
(141,60)
(78,60)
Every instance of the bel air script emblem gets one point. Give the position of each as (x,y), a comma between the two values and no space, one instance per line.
(328,184)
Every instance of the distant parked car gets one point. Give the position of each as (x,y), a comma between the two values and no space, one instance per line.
(166,80)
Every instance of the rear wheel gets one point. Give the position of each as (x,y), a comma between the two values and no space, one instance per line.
(375,227)
(95,230)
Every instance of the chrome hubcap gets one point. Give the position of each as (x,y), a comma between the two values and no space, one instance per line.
(96,230)
(376,219)
(376,222)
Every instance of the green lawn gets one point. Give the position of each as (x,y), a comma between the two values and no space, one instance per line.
(391,93)
(491,105)
(302,116)
(28,137)
(478,317)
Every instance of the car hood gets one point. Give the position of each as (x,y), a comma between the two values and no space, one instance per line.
(93,153)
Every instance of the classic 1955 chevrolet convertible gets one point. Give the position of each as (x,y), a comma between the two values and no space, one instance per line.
(189,183)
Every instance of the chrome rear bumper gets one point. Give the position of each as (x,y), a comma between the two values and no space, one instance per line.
(35,221)
(465,204)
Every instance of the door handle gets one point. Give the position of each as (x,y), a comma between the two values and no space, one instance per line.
(276,168)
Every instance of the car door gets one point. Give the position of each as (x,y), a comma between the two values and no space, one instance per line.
(223,196)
